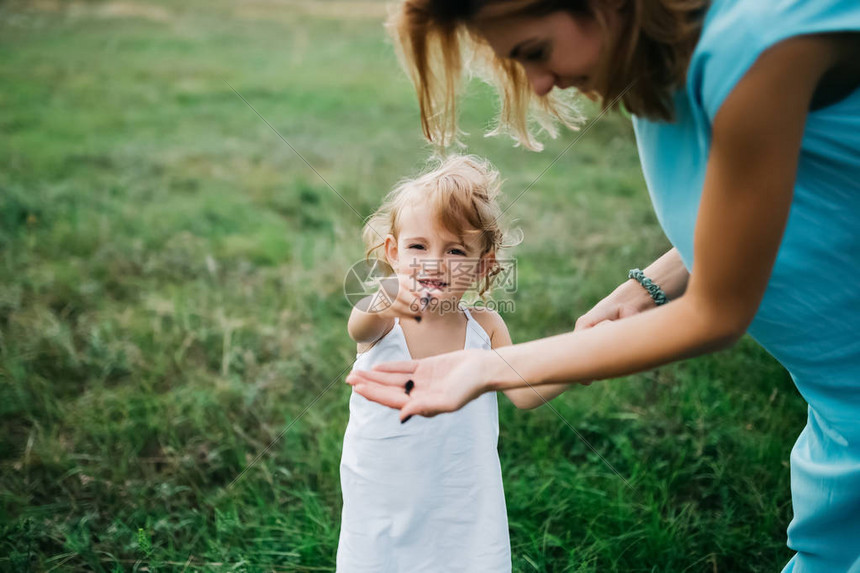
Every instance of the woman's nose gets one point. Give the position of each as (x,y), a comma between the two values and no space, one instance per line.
(542,80)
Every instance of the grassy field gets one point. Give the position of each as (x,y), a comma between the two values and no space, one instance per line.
(171,307)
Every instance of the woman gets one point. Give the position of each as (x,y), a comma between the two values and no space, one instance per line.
(747,118)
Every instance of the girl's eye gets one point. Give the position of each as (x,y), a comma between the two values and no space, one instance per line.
(416,246)
(458,251)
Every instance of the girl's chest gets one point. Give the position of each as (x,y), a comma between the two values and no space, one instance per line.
(423,344)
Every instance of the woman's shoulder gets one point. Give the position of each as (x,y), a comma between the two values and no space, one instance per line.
(736,32)
(769,18)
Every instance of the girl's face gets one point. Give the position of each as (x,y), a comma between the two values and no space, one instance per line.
(437,260)
(557,50)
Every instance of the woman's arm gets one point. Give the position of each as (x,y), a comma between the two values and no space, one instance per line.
(743,212)
(523,398)
(629,298)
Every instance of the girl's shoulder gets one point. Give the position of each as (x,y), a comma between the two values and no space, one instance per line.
(475,311)
(489,319)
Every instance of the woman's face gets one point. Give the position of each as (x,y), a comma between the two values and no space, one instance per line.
(557,50)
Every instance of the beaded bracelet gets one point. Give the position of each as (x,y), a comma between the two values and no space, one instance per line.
(656,292)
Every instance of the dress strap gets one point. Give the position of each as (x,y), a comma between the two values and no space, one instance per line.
(468,314)
(475,329)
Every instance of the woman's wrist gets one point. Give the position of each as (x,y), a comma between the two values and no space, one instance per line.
(497,371)
(652,288)
(669,273)
(631,294)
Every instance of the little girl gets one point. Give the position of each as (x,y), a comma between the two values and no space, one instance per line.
(427,496)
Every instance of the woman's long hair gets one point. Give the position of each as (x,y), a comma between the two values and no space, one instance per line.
(646,61)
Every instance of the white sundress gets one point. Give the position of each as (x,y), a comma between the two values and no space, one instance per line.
(427,495)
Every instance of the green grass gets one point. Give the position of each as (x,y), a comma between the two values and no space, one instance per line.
(171,301)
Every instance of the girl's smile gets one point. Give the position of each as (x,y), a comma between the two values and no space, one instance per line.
(433,283)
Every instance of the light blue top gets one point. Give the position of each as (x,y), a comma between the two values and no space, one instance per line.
(809,318)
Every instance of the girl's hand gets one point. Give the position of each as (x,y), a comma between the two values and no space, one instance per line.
(375,313)
(441,383)
(397,298)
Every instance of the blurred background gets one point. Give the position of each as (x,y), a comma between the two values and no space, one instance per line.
(173,325)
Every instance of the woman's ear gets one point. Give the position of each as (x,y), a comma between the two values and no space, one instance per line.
(391,250)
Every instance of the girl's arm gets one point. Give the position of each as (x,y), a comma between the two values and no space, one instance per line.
(393,299)
(367,327)
(743,212)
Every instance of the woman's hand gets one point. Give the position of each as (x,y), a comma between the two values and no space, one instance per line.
(441,383)
(630,298)
(610,308)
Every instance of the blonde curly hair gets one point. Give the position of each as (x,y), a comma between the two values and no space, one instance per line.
(462,192)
